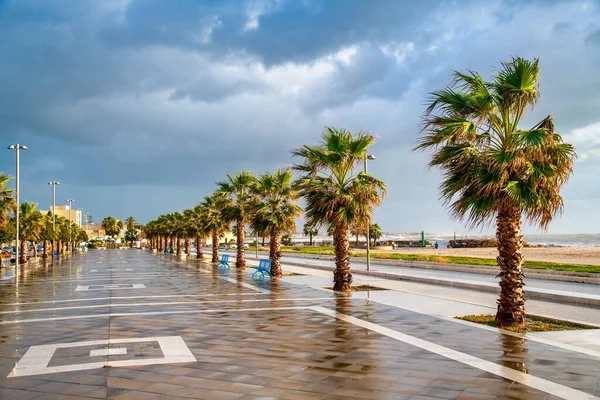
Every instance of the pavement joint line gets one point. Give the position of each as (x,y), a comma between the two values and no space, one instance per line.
(543,385)
(162,303)
(132,297)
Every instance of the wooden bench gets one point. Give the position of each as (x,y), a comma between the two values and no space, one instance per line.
(224,263)
(264,268)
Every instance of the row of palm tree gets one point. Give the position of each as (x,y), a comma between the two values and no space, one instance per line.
(35,228)
(493,171)
(337,193)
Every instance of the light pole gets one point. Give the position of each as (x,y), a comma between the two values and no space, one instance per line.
(54,183)
(17,147)
(69,247)
(368,157)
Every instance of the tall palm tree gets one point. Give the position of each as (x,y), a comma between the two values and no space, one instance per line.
(30,225)
(310,231)
(46,232)
(214,221)
(237,190)
(335,193)
(275,211)
(199,227)
(493,169)
(7,201)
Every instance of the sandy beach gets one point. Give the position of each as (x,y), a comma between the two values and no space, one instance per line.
(573,255)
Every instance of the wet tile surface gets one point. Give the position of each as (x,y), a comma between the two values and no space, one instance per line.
(254,340)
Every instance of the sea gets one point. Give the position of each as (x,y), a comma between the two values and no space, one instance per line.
(535,239)
(549,239)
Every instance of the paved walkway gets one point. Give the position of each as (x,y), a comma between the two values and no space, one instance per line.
(126,324)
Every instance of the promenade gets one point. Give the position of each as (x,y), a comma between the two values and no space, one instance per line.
(127,324)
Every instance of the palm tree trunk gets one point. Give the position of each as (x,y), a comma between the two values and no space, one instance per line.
(22,256)
(35,252)
(171,248)
(310,239)
(240,261)
(45,244)
(511,303)
(215,247)
(188,247)
(342,278)
(275,254)
(178,243)
(357,238)
(199,248)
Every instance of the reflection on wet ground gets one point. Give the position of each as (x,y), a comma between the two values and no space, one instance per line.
(185,329)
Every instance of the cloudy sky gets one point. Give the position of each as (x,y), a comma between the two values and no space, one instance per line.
(138,106)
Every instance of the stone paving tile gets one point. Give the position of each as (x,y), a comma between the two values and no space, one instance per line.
(243,349)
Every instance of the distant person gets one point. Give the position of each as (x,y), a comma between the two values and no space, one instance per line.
(435,245)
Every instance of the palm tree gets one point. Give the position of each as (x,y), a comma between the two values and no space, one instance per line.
(112,226)
(375,233)
(493,169)
(130,222)
(198,222)
(335,194)
(131,234)
(30,226)
(310,231)
(46,232)
(7,201)
(276,211)
(214,221)
(237,191)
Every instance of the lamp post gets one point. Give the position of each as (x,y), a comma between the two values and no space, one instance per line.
(368,157)
(69,247)
(54,183)
(17,147)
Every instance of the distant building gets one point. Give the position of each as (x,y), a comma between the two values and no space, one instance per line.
(64,211)
(94,231)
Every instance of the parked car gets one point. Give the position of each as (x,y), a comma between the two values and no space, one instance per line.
(233,246)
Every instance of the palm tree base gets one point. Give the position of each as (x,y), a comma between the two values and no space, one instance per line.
(510,320)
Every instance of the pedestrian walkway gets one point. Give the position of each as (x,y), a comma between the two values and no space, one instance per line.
(126,324)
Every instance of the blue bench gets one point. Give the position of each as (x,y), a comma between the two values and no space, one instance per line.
(224,263)
(264,268)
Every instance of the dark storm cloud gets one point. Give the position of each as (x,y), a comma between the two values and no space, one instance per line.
(168,96)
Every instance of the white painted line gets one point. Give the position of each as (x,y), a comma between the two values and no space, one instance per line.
(162,303)
(132,297)
(543,385)
(113,270)
(246,285)
(120,286)
(221,310)
(36,359)
(108,352)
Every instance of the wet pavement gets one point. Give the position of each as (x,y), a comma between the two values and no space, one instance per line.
(126,324)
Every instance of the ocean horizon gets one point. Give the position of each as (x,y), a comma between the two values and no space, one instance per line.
(550,239)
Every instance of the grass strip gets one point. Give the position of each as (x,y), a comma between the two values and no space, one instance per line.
(532,323)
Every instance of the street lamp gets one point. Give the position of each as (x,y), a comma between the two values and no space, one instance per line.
(69,247)
(54,183)
(368,157)
(17,147)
